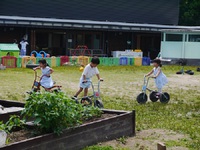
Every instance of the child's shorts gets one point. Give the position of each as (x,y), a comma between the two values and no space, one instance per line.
(85,85)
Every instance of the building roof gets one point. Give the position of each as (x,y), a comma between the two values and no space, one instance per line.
(132,11)
(86,24)
(8,47)
(186,30)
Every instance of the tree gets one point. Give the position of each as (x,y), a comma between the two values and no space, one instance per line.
(189,12)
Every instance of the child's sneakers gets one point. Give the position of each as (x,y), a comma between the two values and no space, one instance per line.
(74,97)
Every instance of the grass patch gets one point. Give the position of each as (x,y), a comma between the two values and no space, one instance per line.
(119,90)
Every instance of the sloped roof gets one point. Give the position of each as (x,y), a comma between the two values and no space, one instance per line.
(163,12)
(86,24)
(8,47)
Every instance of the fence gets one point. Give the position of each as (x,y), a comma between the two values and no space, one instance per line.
(13,62)
(9,61)
(87,52)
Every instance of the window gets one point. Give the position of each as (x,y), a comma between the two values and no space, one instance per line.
(194,38)
(174,37)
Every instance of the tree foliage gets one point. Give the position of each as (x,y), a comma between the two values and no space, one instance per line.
(189,12)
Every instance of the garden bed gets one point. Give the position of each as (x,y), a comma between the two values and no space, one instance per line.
(9,108)
(113,124)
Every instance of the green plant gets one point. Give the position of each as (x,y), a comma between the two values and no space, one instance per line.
(13,123)
(53,112)
(2,126)
(122,140)
(96,147)
(91,112)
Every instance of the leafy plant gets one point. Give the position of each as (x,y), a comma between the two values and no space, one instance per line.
(96,147)
(13,123)
(2,126)
(53,112)
(91,112)
(122,140)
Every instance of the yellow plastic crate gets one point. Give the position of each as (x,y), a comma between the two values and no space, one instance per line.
(138,61)
(53,61)
(83,60)
(28,60)
(138,50)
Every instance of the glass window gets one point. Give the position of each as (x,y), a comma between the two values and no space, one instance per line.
(174,37)
(194,38)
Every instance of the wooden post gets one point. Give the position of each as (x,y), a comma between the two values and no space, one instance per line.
(161,146)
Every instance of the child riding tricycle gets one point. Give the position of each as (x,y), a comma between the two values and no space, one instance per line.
(45,80)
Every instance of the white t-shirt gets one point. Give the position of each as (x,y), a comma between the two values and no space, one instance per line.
(23,45)
(89,72)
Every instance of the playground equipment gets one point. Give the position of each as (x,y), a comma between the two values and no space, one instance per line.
(9,50)
(154,95)
(40,54)
(35,54)
(81,50)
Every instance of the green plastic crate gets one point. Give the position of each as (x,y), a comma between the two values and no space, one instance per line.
(131,61)
(73,60)
(105,61)
(57,61)
(19,62)
(113,61)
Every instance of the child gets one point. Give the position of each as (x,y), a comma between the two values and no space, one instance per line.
(89,71)
(46,80)
(160,78)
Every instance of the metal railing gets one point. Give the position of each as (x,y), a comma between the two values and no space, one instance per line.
(87,52)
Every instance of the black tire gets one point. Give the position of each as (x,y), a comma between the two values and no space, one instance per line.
(98,103)
(153,97)
(86,101)
(142,98)
(56,91)
(164,97)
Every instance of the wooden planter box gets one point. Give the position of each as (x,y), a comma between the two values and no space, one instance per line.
(123,124)
(5,117)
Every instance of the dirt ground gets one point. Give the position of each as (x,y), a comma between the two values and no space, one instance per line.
(147,140)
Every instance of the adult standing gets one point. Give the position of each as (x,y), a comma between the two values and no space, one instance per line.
(23,44)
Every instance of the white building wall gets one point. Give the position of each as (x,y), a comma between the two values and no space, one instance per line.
(192,50)
(171,49)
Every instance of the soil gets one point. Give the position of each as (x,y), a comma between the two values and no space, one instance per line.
(147,140)
(24,134)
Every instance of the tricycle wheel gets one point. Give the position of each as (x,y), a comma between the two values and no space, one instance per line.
(164,97)
(142,98)
(56,91)
(86,101)
(98,103)
(153,97)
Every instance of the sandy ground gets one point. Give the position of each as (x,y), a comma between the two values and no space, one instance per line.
(148,139)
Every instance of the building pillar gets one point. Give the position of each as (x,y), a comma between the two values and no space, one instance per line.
(33,46)
(138,41)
